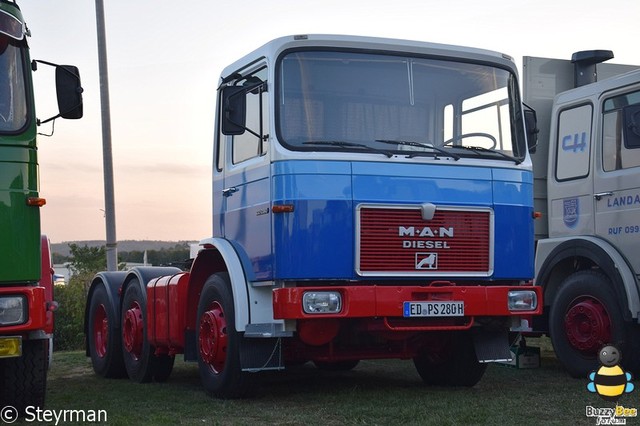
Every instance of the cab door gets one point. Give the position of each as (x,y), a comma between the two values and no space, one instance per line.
(571,194)
(617,177)
(246,183)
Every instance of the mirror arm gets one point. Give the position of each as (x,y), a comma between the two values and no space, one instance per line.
(39,122)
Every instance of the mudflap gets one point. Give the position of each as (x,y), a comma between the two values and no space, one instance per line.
(492,345)
(260,354)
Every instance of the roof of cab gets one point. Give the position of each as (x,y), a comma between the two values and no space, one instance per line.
(273,48)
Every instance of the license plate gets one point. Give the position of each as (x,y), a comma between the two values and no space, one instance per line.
(433,309)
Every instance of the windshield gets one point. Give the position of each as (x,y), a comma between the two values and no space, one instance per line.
(407,105)
(13,100)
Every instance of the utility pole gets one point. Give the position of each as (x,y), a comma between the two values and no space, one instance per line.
(107,157)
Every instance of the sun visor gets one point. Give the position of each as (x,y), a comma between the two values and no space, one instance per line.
(11,26)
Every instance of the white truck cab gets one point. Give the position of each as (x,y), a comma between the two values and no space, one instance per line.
(587,187)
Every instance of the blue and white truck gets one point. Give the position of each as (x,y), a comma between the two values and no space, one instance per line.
(372,198)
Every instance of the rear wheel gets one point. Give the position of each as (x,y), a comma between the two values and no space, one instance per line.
(454,363)
(218,341)
(584,317)
(24,378)
(136,350)
(103,339)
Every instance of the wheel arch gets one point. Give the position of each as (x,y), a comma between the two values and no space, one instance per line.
(218,255)
(568,255)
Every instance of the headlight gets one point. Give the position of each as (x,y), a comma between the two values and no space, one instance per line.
(13,310)
(523,300)
(322,302)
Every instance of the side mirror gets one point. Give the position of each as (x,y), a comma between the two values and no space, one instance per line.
(69,91)
(531,127)
(631,126)
(234,110)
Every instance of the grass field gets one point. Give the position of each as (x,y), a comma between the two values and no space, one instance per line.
(374,393)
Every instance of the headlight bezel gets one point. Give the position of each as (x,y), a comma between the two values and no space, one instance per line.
(15,313)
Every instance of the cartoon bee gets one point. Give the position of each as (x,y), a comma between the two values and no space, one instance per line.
(610,381)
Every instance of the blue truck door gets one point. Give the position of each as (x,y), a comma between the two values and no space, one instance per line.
(246,189)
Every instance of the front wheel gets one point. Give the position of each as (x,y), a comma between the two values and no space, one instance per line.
(453,363)
(24,378)
(584,317)
(218,341)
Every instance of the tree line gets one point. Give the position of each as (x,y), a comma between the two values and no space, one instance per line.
(174,256)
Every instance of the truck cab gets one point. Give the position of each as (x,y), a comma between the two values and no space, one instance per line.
(588,190)
(335,134)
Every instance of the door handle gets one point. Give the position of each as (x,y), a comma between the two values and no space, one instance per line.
(227,192)
(599,195)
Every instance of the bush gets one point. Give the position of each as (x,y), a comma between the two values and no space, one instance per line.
(72,298)
(69,318)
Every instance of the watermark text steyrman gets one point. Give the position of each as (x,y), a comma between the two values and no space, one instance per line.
(36,414)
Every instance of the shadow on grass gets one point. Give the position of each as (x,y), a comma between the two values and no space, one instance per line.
(381,392)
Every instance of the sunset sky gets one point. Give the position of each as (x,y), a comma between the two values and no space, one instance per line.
(165,57)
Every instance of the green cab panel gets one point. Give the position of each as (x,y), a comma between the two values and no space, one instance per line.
(19,222)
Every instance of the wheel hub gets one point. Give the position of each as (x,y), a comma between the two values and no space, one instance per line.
(213,338)
(100,331)
(587,325)
(132,330)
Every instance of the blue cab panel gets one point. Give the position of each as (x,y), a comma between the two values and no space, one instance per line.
(318,239)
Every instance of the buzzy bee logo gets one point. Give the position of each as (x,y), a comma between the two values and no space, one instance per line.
(610,382)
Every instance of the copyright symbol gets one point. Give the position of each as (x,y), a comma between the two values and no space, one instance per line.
(9,414)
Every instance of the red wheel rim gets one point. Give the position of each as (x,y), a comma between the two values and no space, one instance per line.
(100,331)
(132,330)
(213,338)
(587,325)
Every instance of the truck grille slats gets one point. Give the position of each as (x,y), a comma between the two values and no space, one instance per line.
(398,240)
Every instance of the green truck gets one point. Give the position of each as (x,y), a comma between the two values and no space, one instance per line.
(26,276)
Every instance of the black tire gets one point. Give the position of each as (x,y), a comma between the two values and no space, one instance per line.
(336,365)
(453,364)
(103,337)
(137,353)
(24,378)
(218,342)
(588,298)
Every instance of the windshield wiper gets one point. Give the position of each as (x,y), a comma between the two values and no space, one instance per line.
(479,149)
(344,144)
(421,145)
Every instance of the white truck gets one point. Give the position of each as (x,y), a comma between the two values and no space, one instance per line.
(587,193)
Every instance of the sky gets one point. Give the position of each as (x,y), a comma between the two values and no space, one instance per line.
(164,62)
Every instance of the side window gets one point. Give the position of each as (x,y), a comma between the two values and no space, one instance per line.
(250,144)
(616,152)
(574,143)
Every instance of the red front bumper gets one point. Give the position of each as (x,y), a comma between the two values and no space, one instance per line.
(387,301)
